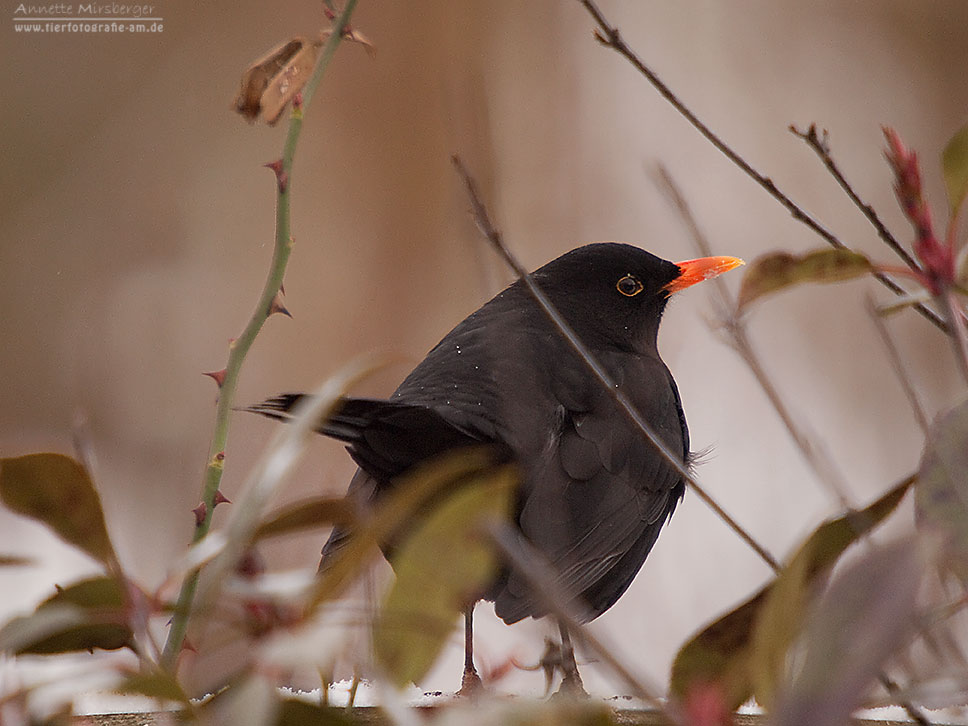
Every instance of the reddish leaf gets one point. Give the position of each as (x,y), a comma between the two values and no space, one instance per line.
(57,491)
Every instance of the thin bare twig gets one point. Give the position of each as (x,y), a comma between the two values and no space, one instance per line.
(821,146)
(494,237)
(895,357)
(609,36)
(736,336)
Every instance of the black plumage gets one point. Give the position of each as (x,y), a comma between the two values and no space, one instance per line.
(594,493)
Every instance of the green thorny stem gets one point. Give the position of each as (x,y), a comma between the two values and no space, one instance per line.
(240,346)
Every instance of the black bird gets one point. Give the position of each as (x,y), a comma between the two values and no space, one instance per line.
(594,493)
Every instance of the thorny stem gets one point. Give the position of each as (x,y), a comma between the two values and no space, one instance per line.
(240,347)
(610,37)
(737,337)
(494,237)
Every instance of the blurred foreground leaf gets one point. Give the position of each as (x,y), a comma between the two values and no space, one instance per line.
(720,654)
(56,490)
(15,561)
(308,514)
(529,712)
(941,497)
(396,513)
(88,614)
(778,270)
(954,165)
(441,568)
(744,652)
(251,701)
(867,615)
(780,620)
(293,712)
(158,684)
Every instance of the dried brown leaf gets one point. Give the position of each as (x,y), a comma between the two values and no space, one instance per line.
(272,81)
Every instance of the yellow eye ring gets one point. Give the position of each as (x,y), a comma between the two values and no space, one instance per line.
(629,286)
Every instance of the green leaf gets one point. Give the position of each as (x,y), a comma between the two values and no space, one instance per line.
(308,514)
(56,490)
(250,701)
(720,653)
(778,270)
(954,166)
(940,497)
(89,614)
(867,616)
(783,609)
(399,508)
(293,712)
(157,684)
(443,566)
(744,651)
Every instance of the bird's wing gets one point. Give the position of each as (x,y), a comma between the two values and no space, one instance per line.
(385,439)
(598,494)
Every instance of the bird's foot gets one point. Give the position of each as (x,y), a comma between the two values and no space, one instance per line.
(571,687)
(471,685)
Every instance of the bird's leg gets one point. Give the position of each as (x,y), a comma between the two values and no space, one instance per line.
(470,683)
(571,685)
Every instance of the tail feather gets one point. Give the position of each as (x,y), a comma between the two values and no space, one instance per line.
(385,438)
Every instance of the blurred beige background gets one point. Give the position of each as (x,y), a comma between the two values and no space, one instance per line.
(136,227)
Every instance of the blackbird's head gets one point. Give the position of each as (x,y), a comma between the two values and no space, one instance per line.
(614,294)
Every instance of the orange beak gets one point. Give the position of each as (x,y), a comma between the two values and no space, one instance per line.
(705,268)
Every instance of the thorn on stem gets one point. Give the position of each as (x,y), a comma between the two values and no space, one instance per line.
(282,177)
(221,498)
(277,306)
(217,376)
(200,511)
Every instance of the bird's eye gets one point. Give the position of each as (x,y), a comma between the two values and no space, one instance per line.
(629,286)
